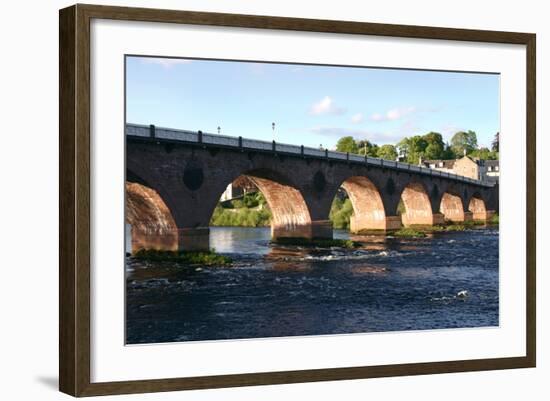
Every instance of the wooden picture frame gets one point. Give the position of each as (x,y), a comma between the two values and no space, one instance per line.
(75,208)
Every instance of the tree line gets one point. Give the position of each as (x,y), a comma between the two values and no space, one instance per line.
(426,147)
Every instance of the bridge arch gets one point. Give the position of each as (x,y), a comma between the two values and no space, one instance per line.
(290,212)
(477,206)
(418,206)
(452,207)
(148,219)
(368,207)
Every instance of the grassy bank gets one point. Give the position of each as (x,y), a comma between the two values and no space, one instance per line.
(208,258)
(249,211)
(421,231)
(322,243)
(409,232)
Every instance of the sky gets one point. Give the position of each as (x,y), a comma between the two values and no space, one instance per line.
(311,105)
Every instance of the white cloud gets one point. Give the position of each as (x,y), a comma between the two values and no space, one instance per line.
(393,114)
(377,117)
(325,106)
(357,118)
(165,62)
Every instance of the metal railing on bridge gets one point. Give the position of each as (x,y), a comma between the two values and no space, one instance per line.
(198,137)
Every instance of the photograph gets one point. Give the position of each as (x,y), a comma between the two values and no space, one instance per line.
(258,199)
(274,199)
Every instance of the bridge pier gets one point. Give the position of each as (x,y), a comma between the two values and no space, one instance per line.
(194,239)
(315,229)
(482,215)
(421,219)
(321,229)
(459,217)
(362,223)
(468,216)
(162,240)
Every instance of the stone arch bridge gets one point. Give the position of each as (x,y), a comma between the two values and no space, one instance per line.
(182,175)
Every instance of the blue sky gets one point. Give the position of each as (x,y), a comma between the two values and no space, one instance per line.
(310,105)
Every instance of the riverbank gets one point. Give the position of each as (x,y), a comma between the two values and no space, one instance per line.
(206,258)
(251,210)
(422,231)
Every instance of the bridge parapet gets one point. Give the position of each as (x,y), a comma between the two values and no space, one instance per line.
(256,144)
(339,155)
(220,140)
(314,152)
(168,134)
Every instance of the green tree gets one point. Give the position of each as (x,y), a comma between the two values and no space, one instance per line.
(448,153)
(413,148)
(495,143)
(387,152)
(347,144)
(370,148)
(340,212)
(374,151)
(484,154)
(404,148)
(429,146)
(464,143)
(436,147)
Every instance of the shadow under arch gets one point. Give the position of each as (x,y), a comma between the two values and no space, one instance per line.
(368,207)
(290,213)
(417,205)
(149,222)
(452,207)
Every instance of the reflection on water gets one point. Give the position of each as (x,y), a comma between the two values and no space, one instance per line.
(386,284)
(242,240)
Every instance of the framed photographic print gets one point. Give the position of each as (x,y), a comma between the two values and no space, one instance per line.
(250,200)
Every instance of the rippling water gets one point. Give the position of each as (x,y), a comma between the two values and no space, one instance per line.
(388,284)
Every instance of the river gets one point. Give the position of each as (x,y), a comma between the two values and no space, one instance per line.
(388,284)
